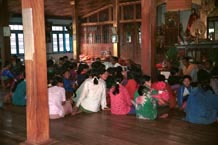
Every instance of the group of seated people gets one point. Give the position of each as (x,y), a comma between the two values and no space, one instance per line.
(123,89)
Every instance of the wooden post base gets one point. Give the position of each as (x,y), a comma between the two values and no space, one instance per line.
(48,142)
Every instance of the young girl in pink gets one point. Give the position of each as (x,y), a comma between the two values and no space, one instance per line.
(120,99)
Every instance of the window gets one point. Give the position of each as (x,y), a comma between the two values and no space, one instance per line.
(96,34)
(61,40)
(16,38)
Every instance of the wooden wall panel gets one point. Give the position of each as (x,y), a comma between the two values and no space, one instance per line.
(95,50)
(175,5)
(131,52)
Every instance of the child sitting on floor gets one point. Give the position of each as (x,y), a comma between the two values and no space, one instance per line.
(68,85)
(184,91)
(58,106)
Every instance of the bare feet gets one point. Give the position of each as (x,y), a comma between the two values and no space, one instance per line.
(164,115)
(106,109)
(76,112)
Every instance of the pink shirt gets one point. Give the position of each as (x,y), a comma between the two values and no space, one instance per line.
(120,103)
(56,95)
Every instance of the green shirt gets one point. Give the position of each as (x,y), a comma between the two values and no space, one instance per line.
(145,106)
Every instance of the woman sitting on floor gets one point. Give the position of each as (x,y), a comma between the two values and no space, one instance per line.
(58,106)
(19,91)
(165,95)
(93,94)
(120,99)
(132,84)
(202,105)
(145,104)
(69,85)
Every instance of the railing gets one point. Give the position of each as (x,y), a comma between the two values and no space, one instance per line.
(197,51)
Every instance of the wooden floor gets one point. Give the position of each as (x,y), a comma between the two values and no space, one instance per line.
(106,129)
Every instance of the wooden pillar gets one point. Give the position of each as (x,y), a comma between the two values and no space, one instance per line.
(4,40)
(75,26)
(148,27)
(116,51)
(36,72)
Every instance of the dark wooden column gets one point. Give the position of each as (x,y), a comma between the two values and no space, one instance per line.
(148,28)
(116,51)
(4,40)
(36,72)
(75,26)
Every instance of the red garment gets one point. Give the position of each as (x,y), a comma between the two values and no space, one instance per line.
(120,103)
(166,93)
(131,87)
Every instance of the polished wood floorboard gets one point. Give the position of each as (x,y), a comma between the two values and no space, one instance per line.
(106,129)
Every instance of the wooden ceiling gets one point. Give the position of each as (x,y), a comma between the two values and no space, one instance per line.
(63,8)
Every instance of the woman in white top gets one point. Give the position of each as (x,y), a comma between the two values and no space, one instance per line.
(58,106)
(93,94)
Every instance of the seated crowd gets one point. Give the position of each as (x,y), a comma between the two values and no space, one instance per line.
(121,88)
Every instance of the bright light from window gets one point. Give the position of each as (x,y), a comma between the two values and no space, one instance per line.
(60,39)
(13,44)
(61,43)
(57,28)
(55,42)
(20,43)
(67,40)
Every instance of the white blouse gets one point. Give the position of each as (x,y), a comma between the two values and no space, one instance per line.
(93,96)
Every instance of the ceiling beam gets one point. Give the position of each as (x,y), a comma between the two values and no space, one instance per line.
(98,10)
(129,3)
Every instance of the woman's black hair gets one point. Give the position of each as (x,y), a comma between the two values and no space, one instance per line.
(57,80)
(119,69)
(114,58)
(204,80)
(135,73)
(143,79)
(117,81)
(161,78)
(95,80)
(50,63)
(73,65)
(187,77)
(81,67)
(130,75)
(112,71)
(174,71)
(64,71)
(102,71)
(142,90)
(97,65)
(95,74)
